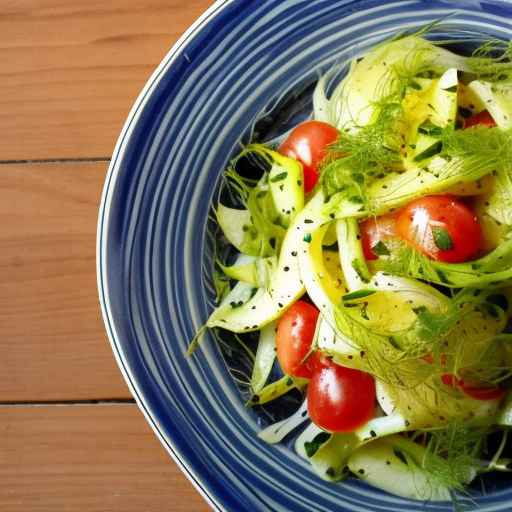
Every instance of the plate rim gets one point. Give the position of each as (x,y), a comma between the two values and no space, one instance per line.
(101,245)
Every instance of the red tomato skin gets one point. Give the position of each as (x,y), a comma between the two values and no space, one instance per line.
(415,221)
(376,229)
(491,393)
(429,358)
(308,144)
(340,399)
(448,379)
(295,331)
(473,391)
(481,119)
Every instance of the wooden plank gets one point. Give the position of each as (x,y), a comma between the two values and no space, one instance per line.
(71,70)
(87,458)
(52,340)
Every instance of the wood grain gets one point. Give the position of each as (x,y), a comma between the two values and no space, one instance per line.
(87,458)
(52,339)
(72,69)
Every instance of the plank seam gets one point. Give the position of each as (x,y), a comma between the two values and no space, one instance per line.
(36,403)
(56,160)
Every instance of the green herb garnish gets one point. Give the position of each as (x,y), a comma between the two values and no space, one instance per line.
(442,238)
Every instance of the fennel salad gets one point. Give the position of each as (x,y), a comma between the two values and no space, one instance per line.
(371,260)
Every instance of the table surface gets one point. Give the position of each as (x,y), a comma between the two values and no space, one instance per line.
(71,436)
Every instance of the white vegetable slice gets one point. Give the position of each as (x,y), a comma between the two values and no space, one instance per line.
(354,102)
(343,350)
(387,465)
(286,182)
(244,269)
(253,270)
(495,98)
(321,288)
(437,105)
(351,254)
(232,222)
(285,285)
(505,414)
(425,406)
(332,451)
(306,436)
(276,432)
(265,357)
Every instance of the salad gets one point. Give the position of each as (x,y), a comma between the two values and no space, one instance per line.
(370,254)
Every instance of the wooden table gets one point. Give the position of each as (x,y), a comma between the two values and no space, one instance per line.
(71,437)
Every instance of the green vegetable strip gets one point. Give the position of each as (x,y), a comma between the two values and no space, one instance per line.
(265,356)
(352,258)
(409,262)
(329,453)
(276,389)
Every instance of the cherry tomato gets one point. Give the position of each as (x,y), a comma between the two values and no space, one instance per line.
(473,391)
(295,331)
(340,399)
(308,143)
(487,393)
(448,379)
(481,119)
(375,230)
(441,227)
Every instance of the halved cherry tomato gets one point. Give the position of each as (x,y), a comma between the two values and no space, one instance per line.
(375,230)
(295,331)
(473,391)
(441,227)
(481,119)
(308,143)
(340,399)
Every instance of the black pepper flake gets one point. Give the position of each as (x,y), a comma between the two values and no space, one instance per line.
(361,471)
(286,269)
(279,304)
(372,433)
(294,253)
(308,221)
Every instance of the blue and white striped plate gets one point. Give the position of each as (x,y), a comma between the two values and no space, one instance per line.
(154,258)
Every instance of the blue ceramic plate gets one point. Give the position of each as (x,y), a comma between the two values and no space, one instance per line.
(237,62)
